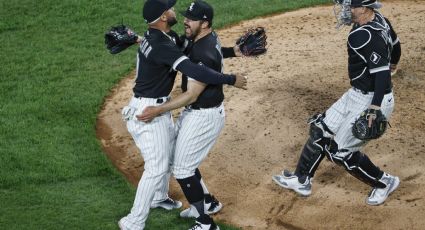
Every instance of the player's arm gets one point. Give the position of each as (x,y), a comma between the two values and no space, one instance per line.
(170,55)
(229,52)
(396,51)
(208,76)
(375,52)
(381,69)
(194,88)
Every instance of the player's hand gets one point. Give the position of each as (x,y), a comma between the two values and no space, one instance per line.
(373,116)
(149,113)
(241,81)
(237,51)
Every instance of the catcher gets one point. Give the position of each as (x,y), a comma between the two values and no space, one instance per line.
(361,113)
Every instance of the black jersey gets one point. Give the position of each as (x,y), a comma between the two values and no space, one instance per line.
(369,52)
(207,51)
(157,59)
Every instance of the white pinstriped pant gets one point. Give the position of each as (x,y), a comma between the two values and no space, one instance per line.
(156,143)
(197,132)
(342,114)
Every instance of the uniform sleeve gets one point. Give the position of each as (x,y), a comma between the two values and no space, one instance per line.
(377,56)
(167,53)
(204,74)
(203,58)
(228,52)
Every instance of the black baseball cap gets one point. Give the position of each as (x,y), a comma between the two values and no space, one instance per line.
(199,10)
(153,9)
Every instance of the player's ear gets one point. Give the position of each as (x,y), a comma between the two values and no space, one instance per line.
(163,17)
(205,24)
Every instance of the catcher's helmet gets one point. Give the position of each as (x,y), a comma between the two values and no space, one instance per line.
(342,9)
(359,3)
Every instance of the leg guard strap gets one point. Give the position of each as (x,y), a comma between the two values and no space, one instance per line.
(310,158)
(360,166)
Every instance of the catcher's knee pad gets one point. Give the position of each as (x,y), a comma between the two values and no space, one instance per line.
(360,166)
(321,137)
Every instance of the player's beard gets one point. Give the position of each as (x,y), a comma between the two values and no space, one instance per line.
(194,31)
(171,21)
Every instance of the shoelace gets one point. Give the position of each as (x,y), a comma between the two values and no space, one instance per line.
(169,201)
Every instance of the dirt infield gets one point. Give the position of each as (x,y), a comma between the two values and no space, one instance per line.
(304,72)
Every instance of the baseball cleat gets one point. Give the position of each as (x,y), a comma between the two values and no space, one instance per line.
(204,223)
(189,212)
(378,195)
(210,208)
(290,181)
(214,206)
(167,204)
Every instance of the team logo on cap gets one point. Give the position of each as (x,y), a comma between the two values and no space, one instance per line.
(191,6)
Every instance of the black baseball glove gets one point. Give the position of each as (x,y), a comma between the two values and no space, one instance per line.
(253,42)
(119,38)
(361,129)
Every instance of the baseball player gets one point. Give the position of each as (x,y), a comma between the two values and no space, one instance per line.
(373,47)
(201,122)
(158,60)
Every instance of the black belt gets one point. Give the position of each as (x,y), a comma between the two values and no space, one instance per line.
(197,107)
(387,91)
(158,100)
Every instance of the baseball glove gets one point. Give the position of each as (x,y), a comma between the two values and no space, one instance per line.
(361,129)
(253,42)
(119,38)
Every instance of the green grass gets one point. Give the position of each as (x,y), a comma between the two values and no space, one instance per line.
(54,75)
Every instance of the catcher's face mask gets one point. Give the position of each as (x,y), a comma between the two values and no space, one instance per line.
(342,11)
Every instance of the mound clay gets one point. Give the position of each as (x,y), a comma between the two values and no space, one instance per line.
(304,72)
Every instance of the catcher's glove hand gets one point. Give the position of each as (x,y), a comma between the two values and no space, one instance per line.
(253,42)
(361,129)
(119,38)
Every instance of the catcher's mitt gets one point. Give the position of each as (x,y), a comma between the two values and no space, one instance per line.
(253,42)
(361,129)
(119,38)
